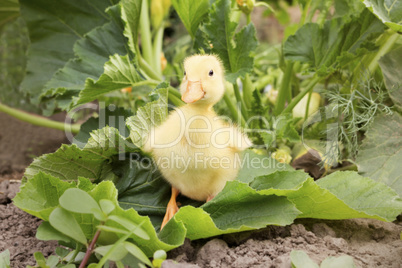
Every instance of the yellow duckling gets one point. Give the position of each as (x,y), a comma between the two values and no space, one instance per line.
(195,150)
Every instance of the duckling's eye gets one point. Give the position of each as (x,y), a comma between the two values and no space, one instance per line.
(211,73)
(184,73)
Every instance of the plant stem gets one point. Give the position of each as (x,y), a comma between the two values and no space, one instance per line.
(235,112)
(148,70)
(174,91)
(308,104)
(158,41)
(146,41)
(39,120)
(90,248)
(175,100)
(248,88)
(296,99)
(387,45)
(240,100)
(284,90)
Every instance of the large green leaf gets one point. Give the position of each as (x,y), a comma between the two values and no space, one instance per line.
(218,36)
(341,195)
(338,42)
(391,66)
(148,116)
(107,116)
(93,161)
(130,14)
(237,208)
(119,73)
(54,27)
(380,155)
(92,52)
(388,11)
(191,13)
(14,43)
(254,165)
(9,10)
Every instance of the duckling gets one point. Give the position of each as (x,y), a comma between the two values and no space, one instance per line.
(197,151)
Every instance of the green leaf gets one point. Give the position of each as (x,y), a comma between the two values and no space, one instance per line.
(191,13)
(341,195)
(391,66)
(107,206)
(108,116)
(338,42)
(14,43)
(36,198)
(93,161)
(148,116)
(93,52)
(52,261)
(388,11)
(254,165)
(40,259)
(119,72)
(237,208)
(130,226)
(40,196)
(46,232)
(380,154)
(137,252)
(300,259)
(342,261)
(130,14)
(5,259)
(117,253)
(53,30)
(79,201)
(219,32)
(64,222)
(9,10)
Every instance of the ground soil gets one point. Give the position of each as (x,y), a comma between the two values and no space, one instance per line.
(371,243)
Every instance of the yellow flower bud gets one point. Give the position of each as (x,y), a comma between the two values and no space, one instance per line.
(163,61)
(282,155)
(245,5)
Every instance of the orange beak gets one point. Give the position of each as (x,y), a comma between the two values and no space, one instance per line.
(194,92)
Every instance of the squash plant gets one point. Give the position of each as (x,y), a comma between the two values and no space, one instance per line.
(113,52)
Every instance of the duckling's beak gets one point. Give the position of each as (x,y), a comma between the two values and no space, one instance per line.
(194,92)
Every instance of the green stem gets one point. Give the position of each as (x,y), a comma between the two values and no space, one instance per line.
(148,70)
(304,13)
(235,112)
(296,99)
(248,16)
(146,41)
(158,41)
(175,100)
(39,120)
(384,49)
(240,100)
(308,104)
(248,89)
(174,91)
(284,90)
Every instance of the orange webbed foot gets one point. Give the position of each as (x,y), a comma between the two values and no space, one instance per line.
(172,207)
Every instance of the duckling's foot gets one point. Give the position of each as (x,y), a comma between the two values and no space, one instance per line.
(172,207)
(209,198)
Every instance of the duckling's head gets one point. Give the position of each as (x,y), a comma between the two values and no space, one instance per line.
(203,81)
